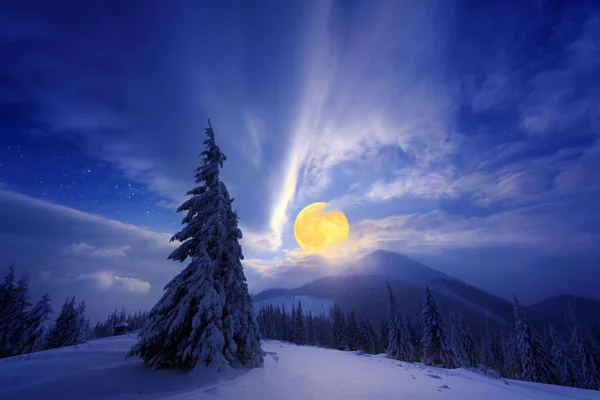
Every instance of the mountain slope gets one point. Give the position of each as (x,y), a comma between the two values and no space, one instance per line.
(394,265)
(97,370)
(362,288)
(586,311)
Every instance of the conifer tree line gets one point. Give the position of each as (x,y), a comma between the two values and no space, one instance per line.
(336,331)
(569,359)
(24,326)
(135,321)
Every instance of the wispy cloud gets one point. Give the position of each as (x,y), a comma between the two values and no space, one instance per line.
(107,280)
(84,248)
(354,104)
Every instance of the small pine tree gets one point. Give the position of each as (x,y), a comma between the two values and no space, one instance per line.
(466,344)
(535,363)
(434,340)
(36,325)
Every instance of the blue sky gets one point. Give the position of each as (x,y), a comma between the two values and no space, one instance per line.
(464,134)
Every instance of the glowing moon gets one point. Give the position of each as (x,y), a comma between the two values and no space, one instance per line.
(315,229)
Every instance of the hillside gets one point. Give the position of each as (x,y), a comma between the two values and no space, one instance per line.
(362,288)
(394,265)
(97,370)
(586,311)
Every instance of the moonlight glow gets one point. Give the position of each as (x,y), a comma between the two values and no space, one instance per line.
(315,229)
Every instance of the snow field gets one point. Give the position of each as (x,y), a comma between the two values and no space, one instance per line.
(98,370)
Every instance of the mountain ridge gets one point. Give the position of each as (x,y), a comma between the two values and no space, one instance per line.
(362,288)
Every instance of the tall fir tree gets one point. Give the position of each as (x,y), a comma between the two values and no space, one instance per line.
(36,325)
(434,340)
(83,324)
(466,346)
(339,329)
(493,354)
(310,329)
(65,330)
(393,316)
(535,362)
(415,331)
(383,335)
(7,309)
(587,358)
(564,367)
(299,325)
(13,316)
(206,314)
(366,341)
(512,358)
(352,331)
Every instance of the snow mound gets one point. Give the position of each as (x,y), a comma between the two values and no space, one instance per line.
(314,305)
(98,370)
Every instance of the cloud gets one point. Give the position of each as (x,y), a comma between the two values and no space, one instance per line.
(106,280)
(354,104)
(540,229)
(65,248)
(84,248)
(426,185)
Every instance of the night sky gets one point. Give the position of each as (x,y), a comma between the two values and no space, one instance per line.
(464,134)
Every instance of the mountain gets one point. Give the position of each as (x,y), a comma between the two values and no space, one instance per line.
(586,311)
(394,265)
(362,288)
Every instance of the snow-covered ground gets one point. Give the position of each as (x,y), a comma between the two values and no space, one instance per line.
(97,370)
(314,305)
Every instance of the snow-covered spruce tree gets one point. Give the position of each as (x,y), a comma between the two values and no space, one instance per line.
(466,345)
(512,358)
(434,340)
(493,355)
(14,315)
(564,368)
(65,330)
(383,335)
(83,324)
(205,314)
(36,325)
(415,332)
(535,362)
(339,341)
(595,328)
(366,341)
(352,331)
(299,327)
(393,348)
(587,358)
(311,336)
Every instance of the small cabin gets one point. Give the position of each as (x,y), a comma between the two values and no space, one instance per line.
(120,328)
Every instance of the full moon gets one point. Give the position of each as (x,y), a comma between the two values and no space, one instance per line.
(315,229)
